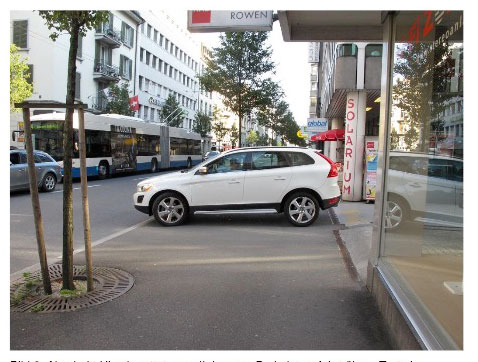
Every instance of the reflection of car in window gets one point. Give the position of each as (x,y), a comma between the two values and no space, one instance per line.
(424,188)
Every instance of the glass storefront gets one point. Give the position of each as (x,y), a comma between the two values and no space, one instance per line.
(422,237)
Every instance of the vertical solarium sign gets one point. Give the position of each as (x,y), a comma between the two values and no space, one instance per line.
(202,21)
(352,182)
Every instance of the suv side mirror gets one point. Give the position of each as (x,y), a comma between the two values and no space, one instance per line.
(202,170)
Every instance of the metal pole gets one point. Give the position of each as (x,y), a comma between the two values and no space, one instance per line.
(84,197)
(36,202)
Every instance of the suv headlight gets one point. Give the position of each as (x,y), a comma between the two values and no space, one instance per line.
(144,187)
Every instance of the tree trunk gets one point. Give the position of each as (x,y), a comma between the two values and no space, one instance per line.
(36,203)
(67,263)
(84,197)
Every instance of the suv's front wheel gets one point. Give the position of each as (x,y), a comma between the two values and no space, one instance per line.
(170,209)
(301,209)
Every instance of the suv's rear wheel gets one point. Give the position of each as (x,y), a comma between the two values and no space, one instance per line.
(301,209)
(170,209)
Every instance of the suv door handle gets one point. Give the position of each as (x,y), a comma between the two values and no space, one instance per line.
(234,182)
(280,178)
(414,184)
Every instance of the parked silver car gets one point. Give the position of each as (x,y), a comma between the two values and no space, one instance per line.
(48,171)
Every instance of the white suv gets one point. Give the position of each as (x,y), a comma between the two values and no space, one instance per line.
(293,180)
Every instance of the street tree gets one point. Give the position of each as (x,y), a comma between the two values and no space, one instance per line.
(75,24)
(263,140)
(234,134)
(20,87)
(394,139)
(172,113)
(420,89)
(118,100)
(202,124)
(252,138)
(239,69)
(220,130)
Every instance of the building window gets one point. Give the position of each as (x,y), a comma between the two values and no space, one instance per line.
(146,85)
(160,65)
(149,31)
(126,67)
(20,33)
(77,86)
(155,38)
(141,55)
(148,57)
(153,64)
(140,85)
(127,34)
(161,40)
(79,54)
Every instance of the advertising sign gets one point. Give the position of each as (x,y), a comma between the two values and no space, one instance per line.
(371,162)
(316,125)
(203,21)
(123,148)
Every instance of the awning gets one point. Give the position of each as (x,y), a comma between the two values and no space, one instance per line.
(330,135)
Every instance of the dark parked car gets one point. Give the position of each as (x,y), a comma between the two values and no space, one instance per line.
(48,171)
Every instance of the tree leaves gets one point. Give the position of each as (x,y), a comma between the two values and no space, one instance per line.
(20,88)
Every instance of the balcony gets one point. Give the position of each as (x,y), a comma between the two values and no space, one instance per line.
(106,34)
(99,103)
(106,73)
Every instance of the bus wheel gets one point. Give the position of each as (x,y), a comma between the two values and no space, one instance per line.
(154,165)
(189,163)
(103,170)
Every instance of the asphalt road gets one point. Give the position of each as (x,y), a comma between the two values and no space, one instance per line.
(111,211)
(230,282)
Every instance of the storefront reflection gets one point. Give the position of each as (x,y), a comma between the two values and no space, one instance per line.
(423,244)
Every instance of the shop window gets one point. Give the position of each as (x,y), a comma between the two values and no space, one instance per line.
(373,50)
(422,243)
(347,50)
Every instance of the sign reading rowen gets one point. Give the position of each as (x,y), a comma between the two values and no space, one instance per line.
(203,21)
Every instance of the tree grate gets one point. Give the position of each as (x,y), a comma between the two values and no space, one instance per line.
(109,284)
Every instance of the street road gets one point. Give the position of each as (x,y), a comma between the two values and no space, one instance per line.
(229,282)
(111,211)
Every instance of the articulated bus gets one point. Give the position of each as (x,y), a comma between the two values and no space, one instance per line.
(117,144)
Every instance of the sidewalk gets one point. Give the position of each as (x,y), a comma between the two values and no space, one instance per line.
(357,220)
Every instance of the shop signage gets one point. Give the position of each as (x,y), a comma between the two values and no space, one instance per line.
(350,139)
(314,52)
(202,21)
(371,162)
(316,125)
(154,101)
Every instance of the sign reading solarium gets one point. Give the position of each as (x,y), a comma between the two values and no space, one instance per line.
(203,21)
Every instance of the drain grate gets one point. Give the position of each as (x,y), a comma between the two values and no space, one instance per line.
(109,283)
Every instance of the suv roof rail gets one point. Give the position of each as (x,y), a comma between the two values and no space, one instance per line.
(261,147)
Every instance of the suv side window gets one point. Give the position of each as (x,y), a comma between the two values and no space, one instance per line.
(229,163)
(300,159)
(265,160)
(15,158)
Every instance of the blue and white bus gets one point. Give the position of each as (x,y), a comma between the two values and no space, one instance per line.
(117,144)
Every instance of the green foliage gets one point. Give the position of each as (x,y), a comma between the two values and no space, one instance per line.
(60,22)
(220,130)
(234,134)
(252,138)
(20,89)
(394,140)
(263,140)
(37,308)
(420,88)
(118,101)
(239,70)
(202,124)
(172,113)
